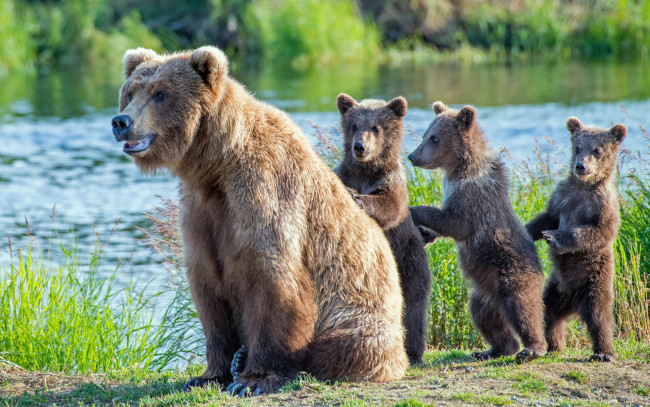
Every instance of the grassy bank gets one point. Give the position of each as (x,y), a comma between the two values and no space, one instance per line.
(313,33)
(60,316)
(446,378)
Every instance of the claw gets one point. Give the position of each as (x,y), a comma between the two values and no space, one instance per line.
(601,357)
(234,388)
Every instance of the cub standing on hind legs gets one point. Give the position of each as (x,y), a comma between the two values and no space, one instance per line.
(494,250)
(580,226)
(372,170)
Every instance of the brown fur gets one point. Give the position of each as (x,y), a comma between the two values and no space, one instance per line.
(580,226)
(271,234)
(494,250)
(377,180)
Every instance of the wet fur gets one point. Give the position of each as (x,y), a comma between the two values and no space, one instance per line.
(379,186)
(279,257)
(494,250)
(580,226)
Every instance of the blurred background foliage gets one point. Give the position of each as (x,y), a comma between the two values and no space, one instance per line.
(308,33)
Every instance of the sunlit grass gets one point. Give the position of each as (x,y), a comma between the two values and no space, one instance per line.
(61,316)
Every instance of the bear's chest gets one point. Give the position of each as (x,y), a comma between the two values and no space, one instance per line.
(577,209)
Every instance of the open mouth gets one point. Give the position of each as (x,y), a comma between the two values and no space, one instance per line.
(137,146)
(361,156)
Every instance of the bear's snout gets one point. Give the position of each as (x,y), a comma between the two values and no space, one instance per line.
(580,169)
(122,125)
(359,148)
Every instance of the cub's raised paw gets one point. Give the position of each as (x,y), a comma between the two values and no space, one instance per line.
(355,195)
(551,240)
(428,235)
(601,357)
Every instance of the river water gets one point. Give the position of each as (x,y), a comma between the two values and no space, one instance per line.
(57,151)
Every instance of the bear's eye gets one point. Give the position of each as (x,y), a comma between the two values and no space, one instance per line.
(597,152)
(434,139)
(129,96)
(354,127)
(375,129)
(577,149)
(159,96)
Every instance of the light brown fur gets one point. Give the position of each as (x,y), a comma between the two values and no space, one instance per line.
(271,234)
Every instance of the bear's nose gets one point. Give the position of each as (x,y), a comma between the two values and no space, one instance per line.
(580,168)
(410,157)
(121,126)
(359,148)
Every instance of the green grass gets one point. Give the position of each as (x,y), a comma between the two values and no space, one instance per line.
(576,376)
(62,317)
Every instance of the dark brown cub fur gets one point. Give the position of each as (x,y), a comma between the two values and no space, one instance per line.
(580,226)
(372,169)
(494,250)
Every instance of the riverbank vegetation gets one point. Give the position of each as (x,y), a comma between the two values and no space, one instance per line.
(301,34)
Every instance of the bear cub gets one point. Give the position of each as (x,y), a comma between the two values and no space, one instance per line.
(580,226)
(494,250)
(373,171)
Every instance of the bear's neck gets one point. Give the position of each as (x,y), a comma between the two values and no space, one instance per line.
(474,157)
(219,143)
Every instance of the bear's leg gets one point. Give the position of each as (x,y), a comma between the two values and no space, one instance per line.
(557,309)
(278,316)
(596,311)
(416,286)
(522,306)
(221,338)
(489,320)
(205,280)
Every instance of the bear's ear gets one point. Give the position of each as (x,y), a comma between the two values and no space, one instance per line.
(439,107)
(619,132)
(398,106)
(573,124)
(466,116)
(345,102)
(211,63)
(134,57)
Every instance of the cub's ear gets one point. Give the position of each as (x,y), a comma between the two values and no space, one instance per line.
(134,57)
(211,63)
(439,107)
(398,106)
(466,116)
(573,124)
(619,132)
(345,102)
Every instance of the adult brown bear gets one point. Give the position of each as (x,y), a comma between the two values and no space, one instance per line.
(279,257)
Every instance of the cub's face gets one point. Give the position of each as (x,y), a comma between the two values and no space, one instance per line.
(370,127)
(442,141)
(161,105)
(594,150)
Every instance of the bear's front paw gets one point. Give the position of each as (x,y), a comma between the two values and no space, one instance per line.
(428,235)
(601,357)
(201,381)
(238,360)
(551,239)
(255,387)
(355,195)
